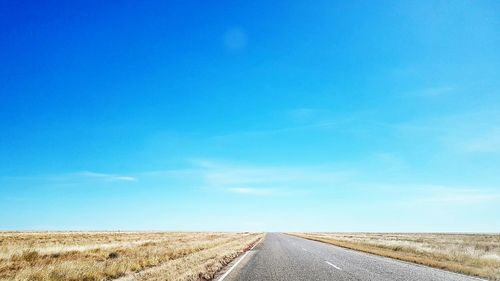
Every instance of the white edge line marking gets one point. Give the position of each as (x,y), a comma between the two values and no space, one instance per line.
(242,257)
(329,263)
(232,267)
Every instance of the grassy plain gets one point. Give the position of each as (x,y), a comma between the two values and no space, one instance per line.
(91,256)
(472,254)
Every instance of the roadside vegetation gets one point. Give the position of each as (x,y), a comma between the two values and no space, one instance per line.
(471,254)
(92,256)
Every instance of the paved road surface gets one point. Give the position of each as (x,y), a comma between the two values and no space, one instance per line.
(282,257)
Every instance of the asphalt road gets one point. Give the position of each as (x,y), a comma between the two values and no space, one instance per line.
(288,258)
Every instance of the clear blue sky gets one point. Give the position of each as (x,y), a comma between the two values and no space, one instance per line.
(250,115)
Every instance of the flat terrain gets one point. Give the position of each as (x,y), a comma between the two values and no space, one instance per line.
(128,256)
(118,255)
(472,254)
(281,257)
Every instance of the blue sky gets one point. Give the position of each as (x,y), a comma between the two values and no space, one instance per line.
(250,115)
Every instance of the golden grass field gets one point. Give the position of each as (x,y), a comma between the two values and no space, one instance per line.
(472,254)
(88,256)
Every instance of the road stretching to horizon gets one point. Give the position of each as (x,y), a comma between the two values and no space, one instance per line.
(289,258)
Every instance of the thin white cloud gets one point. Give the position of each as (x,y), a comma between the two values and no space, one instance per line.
(488,142)
(435,91)
(302,120)
(250,191)
(418,195)
(217,174)
(455,195)
(264,179)
(473,132)
(462,198)
(74,178)
(307,115)
(105,177)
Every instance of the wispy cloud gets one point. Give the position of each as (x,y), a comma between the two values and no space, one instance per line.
(471,132)
(278,130)
(435,91)
(265,179)
(455,195)
(230,175)
(488,142)
(418,195)
(73,179)
(305,114)
(104,177)
(250,191)
(304,120)
(463,198)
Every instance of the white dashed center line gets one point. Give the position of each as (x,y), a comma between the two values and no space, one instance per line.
(331,264)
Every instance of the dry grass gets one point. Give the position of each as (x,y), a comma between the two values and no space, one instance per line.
(90,256)
(472,254)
